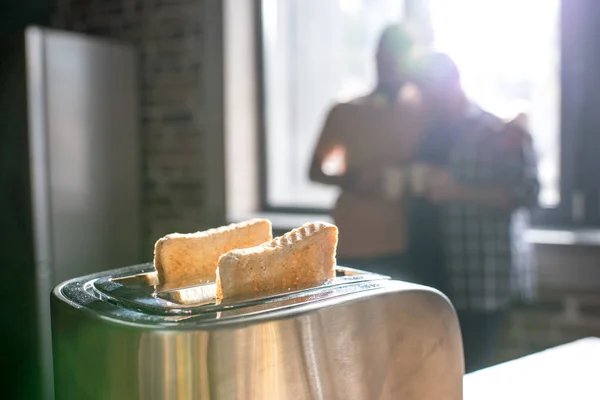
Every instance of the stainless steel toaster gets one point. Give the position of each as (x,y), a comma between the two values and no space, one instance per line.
(116,335)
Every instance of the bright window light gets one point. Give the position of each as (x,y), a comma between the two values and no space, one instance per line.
(509,56)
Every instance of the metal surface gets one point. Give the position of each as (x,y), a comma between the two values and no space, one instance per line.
(93,153)
(40,189)
(358,336)
(84,163)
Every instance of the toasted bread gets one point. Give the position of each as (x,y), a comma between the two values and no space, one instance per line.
(302,256)
(182,259)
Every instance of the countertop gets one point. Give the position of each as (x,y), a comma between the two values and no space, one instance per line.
(570,371)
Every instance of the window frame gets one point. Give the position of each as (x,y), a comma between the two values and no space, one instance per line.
(574,134)
(561,214)
(262,129)
(577,166)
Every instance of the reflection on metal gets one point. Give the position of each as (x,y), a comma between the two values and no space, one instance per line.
(358,336)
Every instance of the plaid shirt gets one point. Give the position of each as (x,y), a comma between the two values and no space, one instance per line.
(486,259)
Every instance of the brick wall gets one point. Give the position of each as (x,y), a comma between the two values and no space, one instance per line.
(171,39)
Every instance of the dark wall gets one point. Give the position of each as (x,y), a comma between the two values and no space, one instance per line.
(580,64)
(19,356)
(18,331)
(17,14)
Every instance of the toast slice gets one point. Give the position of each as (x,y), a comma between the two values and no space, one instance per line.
(182,259)
(304,255)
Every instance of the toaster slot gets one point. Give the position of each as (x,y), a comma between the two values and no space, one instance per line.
(139,291)
(139,280)
(290,300)
(203,294)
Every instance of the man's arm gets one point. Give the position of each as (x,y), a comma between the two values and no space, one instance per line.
(442,188)
(520,187)
(493,196)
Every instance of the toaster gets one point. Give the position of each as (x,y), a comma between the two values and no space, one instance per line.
(119,335)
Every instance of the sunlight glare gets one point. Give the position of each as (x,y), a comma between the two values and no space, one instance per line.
(506,38)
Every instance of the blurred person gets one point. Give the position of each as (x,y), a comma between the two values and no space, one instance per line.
(467,228)
(363,143)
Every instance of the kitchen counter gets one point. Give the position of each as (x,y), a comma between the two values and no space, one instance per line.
(570,371)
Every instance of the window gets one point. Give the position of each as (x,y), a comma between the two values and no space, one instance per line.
(509,67)
(315,52)
(318,52)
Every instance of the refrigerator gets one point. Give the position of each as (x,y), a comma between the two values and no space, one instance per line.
(69,184)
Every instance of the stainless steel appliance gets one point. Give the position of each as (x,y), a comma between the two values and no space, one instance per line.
(69,183)
(358,336)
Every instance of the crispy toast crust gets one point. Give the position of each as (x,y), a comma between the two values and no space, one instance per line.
(304,255)
(193,257)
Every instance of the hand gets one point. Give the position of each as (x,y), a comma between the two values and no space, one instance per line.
(441,186)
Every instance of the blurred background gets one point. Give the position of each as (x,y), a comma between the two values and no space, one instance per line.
(195,113)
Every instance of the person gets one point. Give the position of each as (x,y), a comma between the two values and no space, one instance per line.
(481,182)
(372,137)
